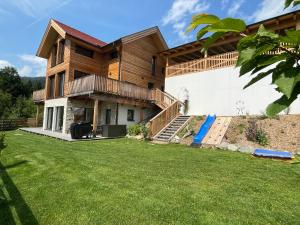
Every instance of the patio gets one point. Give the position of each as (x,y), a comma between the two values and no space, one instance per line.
(57,135)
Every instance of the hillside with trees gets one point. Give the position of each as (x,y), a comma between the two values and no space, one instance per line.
(16,94)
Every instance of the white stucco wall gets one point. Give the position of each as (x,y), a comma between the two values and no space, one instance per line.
(221,92)
(122,117)
(56,103)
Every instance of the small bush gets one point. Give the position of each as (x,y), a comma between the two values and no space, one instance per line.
(261,137)
(252,130)
(145,131)
(134,130)
(241,128)
(256,134)
(2,142)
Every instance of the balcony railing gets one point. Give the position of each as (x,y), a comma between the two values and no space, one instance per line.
(203,64)
(99,84)
(38,96)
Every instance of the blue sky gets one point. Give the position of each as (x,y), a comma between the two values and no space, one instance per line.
(23,22)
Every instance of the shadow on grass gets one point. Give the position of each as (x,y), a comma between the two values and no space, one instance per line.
(25,215)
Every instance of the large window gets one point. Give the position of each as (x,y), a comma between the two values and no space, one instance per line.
(89,114)
(53,56)
(61,83)
(61,51)
(130,115)
(51,86)
(84,51)
(153,68)
(79,74)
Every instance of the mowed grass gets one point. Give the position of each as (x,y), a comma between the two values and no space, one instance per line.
(122,181)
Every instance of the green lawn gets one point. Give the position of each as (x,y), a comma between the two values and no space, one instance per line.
(47,181)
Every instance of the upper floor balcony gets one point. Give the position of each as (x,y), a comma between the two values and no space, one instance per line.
(94,84)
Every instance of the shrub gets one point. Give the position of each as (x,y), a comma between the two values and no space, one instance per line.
(134,130)
(261,137)
(252,130)
(256,134)
(145,131)
(2,142)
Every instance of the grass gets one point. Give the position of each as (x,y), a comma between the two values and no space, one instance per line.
(122,181)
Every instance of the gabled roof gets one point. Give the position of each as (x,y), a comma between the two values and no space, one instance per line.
(55,27)
(80,35)
(141,34)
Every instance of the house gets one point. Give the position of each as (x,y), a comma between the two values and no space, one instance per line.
(124,82)
(121,82)
(210,83)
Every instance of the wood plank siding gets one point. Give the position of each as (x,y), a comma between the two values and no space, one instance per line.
(137,63)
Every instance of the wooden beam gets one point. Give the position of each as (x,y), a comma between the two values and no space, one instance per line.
(95,118)
(120,100)
(298,23)
(37,115)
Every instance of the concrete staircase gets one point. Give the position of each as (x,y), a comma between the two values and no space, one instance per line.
(168,132)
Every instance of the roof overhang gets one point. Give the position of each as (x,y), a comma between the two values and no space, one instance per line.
(52,32)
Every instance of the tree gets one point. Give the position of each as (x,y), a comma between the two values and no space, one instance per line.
(10,82)
(261,54)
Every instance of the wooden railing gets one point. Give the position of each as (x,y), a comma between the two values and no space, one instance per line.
(162,99)
(100,84)
(158,122)
(203,64)
(38,96)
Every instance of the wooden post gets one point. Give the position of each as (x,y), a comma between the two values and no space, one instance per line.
(167,67)
(141,115)
(95,119)
(298,23)
(205,62)
(37,115)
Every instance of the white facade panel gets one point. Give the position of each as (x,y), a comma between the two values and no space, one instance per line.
(221,92)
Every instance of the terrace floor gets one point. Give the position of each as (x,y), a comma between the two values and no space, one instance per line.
(57,135)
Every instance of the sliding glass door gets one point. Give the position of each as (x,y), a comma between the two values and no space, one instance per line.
(59,118)
(49,118)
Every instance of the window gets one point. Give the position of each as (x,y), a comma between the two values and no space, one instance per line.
(61,51)
(163,70)
(150,85)
(114,55)
(153,69)
(89,114)
(59,118)
(130,115)
(162,88)
(51,86)
(79,74)
(53,56)
(84,51)
(107,116)
(61,83)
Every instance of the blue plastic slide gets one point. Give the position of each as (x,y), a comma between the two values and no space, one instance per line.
(272,154)
(204,129)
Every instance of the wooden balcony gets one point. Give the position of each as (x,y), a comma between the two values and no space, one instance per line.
(94,84)
(38,96)
(203,64)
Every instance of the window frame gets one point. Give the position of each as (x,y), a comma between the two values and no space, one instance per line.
(84,51)
(130,115)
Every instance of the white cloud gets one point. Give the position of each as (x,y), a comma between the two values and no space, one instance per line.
(235,7)
(35,8)
(224,3)
(4,63)
(34,66)
(180,14)
(268,9)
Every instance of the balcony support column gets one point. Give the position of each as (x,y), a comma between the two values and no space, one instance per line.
(95,118)
(37,115)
